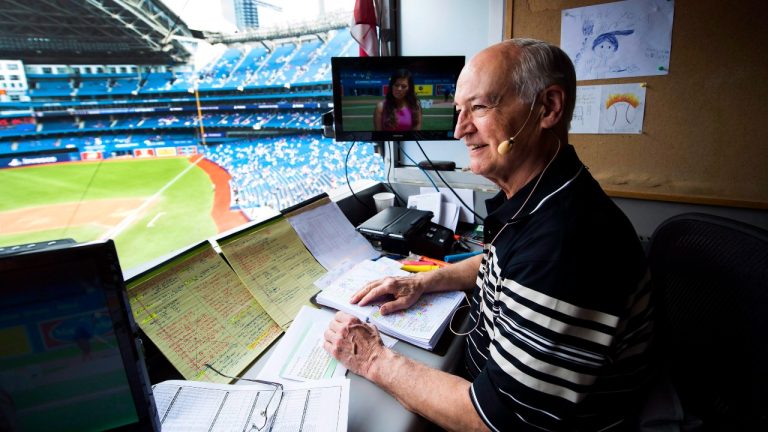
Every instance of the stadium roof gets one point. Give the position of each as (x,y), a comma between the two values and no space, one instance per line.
(324,23)
(92,31)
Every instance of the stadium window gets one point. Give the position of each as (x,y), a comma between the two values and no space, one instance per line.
(14,78)
(47,70)
(61,70)
(12,66)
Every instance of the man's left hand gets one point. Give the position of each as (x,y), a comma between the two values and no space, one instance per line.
(354,343)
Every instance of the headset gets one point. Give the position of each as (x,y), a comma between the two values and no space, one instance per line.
(506,145)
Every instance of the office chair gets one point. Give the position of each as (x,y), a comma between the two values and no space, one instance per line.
(710,276)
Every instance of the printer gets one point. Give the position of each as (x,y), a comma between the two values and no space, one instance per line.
(402,230)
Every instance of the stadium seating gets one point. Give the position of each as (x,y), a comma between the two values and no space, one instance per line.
(282,171)
(51,88)
(287,162)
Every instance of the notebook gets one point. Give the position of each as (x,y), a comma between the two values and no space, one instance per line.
(70,359)
(422,324)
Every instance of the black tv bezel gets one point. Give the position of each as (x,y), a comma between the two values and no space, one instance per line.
(449,64)
(100,259)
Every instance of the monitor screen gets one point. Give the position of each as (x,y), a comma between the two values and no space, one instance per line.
(394,98)
(68,356)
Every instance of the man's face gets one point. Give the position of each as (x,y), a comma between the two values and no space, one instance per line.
(489,113)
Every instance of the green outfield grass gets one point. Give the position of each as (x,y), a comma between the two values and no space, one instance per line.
(357,112)
(178,217)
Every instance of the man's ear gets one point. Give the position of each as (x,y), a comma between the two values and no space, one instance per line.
(553,105)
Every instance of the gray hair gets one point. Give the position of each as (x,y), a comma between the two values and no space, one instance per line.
(540,65)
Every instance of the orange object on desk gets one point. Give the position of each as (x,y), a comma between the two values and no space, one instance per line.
(434,261)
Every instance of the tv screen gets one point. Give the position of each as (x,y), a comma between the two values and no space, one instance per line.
(68,357)
(394,98)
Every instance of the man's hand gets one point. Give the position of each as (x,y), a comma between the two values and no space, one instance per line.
(405,289)
(355,344)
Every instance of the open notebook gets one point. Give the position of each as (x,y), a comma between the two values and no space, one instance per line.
(422,324)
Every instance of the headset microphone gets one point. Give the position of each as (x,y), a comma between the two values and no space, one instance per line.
(506,145)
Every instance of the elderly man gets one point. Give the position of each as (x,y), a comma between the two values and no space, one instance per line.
(560,319)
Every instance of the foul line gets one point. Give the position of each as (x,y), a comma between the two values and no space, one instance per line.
(114,232)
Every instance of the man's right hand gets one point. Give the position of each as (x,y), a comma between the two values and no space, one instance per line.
(405,289)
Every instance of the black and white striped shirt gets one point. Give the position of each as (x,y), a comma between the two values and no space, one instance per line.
(566,316)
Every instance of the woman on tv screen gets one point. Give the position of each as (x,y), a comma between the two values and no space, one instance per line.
(400,110)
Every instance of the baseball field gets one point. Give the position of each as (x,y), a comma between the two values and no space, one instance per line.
(149,207)
(357,112)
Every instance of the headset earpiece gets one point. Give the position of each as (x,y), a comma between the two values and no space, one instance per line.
(505,146)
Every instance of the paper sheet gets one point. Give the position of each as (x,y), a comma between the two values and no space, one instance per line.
(191,406)
(449,215)
(467,195)
(330,237)
(609,109)
(427,202)
(621,39)
(275,266)
(299,356)
(197,311)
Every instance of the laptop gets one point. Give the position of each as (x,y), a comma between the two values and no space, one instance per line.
(69,357)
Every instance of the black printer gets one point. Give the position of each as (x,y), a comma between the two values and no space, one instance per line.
(402,230)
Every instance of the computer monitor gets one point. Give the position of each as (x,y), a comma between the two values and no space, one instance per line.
(69,359)
(394,98)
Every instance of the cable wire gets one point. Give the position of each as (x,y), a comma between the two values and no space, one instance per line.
(422,169)
(389,170)
(481,219)
(346,176)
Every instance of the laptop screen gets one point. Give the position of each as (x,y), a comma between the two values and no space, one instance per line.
(68,356)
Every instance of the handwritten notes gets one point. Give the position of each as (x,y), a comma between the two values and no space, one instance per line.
(422,324)
(197,311)
(329,235)
(275,266)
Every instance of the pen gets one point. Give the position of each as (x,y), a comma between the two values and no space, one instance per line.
(461,256)
(420,262)
(419,268)
(473,241)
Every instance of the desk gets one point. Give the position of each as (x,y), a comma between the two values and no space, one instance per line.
(371,408)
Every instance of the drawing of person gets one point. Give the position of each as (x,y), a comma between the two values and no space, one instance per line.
(604,48)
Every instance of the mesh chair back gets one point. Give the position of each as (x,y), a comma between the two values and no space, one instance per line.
(711,279)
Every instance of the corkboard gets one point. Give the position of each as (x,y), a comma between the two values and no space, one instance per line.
(704,137)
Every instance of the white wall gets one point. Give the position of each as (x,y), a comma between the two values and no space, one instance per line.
(446,27)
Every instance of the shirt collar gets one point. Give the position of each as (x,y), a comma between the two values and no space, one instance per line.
(500,209)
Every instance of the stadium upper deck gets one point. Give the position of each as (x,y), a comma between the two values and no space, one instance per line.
(261,108)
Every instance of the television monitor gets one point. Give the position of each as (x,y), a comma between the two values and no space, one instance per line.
(69,358)
(374,97)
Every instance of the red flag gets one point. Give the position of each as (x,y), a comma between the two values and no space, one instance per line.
(363,28)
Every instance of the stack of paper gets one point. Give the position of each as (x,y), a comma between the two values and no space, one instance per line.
(445,205)
(191,406)
(422,324)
